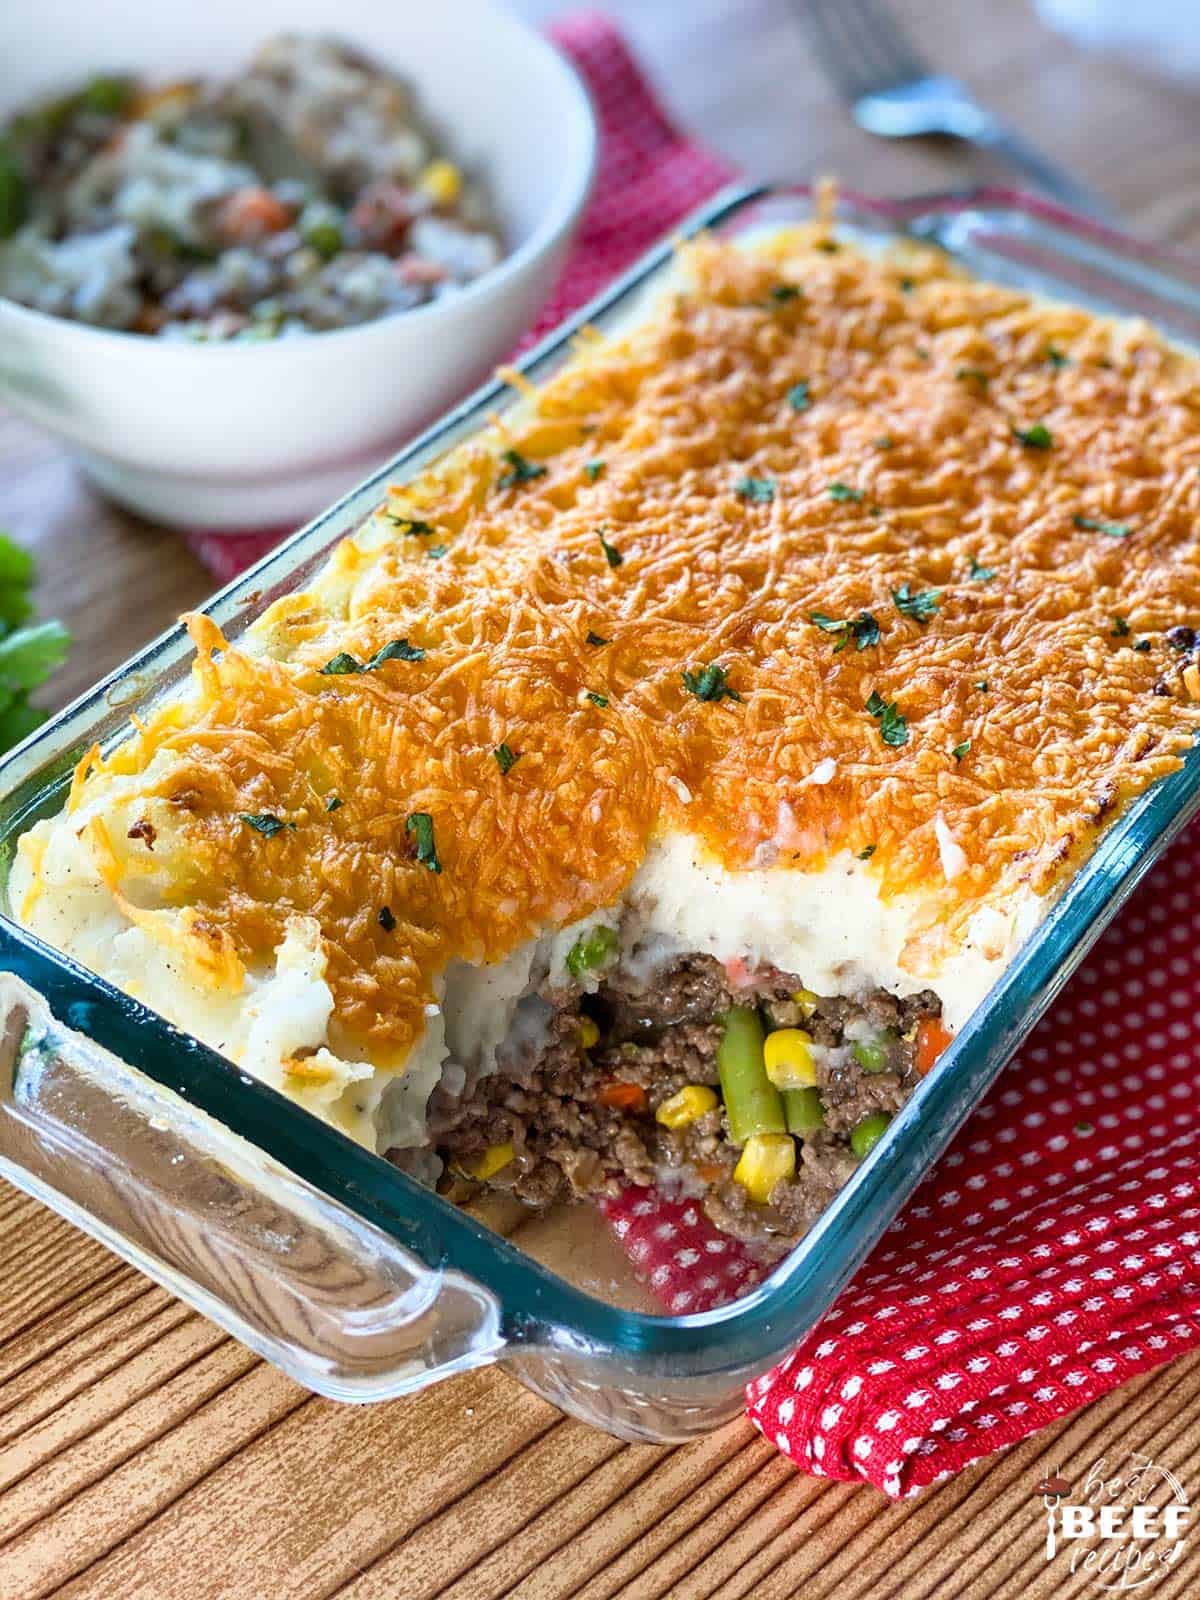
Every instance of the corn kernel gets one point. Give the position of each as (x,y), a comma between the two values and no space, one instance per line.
(488,1162)
(1191,680)
(589,1033)
(442,182)
(788,1055)
(767,1158)
(806,1000)
(692,1102)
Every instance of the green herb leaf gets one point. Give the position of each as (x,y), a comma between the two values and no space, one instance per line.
(865,855)
(781,293)
(893,729)
(1114,530)
(842,491)
(265,823)
(1142,646)
(519,470)
(1120,627)
(600,700)
(611,554)
(506,758)
(339,665)
(14,193)
(960,750)
(976,374)
(593,470)
(597,641)
(398,650)
(334,803)
(908,284)
(980,574)
(864,629)
(983,686)
(385,919)
(884,442)
(761,491)
(799,397)
(420,825)
(1038,437)
(710,683)
(412,525)
(919,605)
(29,656)
(1056,358)
(437,551)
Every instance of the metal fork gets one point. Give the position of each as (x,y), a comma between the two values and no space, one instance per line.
(893,93)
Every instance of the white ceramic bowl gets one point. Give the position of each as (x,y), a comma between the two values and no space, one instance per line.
(242,436)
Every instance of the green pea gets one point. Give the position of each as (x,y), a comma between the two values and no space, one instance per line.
(322,231)
(866,1134)
(592,949)
(872,1055)
(803,1110)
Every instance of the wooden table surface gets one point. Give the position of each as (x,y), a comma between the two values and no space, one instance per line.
(144,1453)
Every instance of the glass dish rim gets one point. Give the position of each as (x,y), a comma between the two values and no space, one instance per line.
(536,1304)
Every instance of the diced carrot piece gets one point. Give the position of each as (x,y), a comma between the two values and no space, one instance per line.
(250,214)
(623,1097)
(710,1171)
(932,1038)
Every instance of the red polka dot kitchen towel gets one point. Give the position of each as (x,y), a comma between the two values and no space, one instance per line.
(648,177)
(1052,1254)
(1055,1251)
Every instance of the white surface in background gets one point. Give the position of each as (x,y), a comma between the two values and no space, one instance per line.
(1162,35)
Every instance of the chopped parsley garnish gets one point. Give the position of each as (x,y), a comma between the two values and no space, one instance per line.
(593,470)
(960,750)
(863,629)
(884,442)
(412,525)
(829,246)
(983,686)
(398,650)
(1142,645)
(710,683)
(420,825)
(781,293)
(265,823)
(611,554)
(1120,627)
(1038,437)
(596,640)
(1114,530)
(600,700)
(519,470)
(843,491)
(385,919)
(920,606)
(865,855)
(506,758)
(799,396)
(436,551)
(1056,358)
(340,663)
(761,491)
(975,373)
(893,728)
(908,283)
(978,573)
(334,803)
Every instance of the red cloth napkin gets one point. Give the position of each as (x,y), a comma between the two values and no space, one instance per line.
(649,176)
(1055,1251)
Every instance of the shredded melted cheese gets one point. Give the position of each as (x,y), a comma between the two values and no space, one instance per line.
(674,495)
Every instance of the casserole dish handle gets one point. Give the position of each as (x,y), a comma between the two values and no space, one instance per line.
(337,1303)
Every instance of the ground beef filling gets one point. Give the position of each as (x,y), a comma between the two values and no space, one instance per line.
(580,1114)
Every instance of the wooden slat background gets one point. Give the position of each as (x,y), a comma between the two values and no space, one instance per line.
(144,1454)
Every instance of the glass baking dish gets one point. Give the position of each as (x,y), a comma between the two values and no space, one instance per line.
(348,1275)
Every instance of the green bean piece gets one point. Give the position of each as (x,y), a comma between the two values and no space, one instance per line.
(592,949)
(803,1110)
(752,1102)
(866,1134)
(871,1054)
